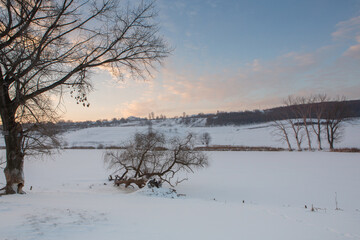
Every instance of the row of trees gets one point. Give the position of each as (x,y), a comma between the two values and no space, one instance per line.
(303,118)
(262,116)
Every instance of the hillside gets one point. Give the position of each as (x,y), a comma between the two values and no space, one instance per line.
(352,110)
(246,135)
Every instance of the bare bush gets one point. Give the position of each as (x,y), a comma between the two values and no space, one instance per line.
(206,139)
(150,154)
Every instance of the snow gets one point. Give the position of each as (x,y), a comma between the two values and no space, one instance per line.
(69,200)
(241,195)
(159,192)
(253,135)
(246,135)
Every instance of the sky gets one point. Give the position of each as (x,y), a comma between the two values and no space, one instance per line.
(235,55)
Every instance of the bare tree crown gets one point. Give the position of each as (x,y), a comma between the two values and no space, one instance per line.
(48,46)
(150,154)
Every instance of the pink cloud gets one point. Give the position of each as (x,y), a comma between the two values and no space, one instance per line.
(347,29)
(354,50)
(257,84)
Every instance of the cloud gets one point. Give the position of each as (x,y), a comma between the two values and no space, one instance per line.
(137,108)
(348,29)
(354,50)
(259,83)
(192,13)
(212,3)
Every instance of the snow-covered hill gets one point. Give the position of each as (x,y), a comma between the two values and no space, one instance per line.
(246,135)
(253,135)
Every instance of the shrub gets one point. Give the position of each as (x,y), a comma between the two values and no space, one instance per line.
(150,155)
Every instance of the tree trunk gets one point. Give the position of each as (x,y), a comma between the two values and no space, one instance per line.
(298,142)
(308,137)
(319,136)
(13,136)
(13,171)
(287,140)
(330,136)
(319,142)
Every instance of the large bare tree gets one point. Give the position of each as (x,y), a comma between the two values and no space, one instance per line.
(48,46)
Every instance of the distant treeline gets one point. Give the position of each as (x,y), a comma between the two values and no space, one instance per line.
(278,113)
(215,119)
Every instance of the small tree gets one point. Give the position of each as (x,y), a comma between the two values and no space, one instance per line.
(206,139)
(282,131)
(150,155)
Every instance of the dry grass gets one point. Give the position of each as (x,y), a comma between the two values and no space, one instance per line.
(239,148)
(79,147)
(347,150)
(219,148)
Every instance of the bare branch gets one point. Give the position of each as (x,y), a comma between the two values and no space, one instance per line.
(151,155)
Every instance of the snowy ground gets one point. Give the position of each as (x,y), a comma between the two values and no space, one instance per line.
(246,135)
(69,200)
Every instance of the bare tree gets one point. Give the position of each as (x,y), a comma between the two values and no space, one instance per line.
(282,130)
(302,109)
(318,110)
(49,46)
(335,114)
(152,155)
(206,138)
(294,122)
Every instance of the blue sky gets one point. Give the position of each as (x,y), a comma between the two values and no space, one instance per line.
(236,55)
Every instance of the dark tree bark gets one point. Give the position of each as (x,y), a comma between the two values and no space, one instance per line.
(13,134)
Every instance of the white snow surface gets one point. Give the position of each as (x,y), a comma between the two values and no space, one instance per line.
(241,195)
(245,135)
(253,135)
(69,200)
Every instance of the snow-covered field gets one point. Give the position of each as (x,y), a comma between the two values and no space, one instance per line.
(241,195)
(246,135)
(69,200)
